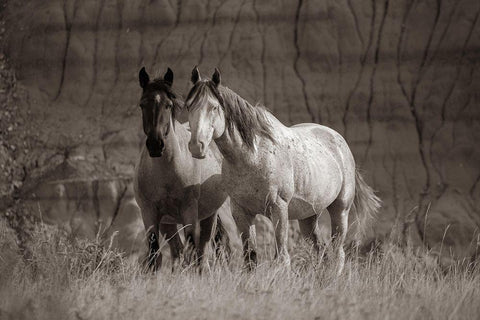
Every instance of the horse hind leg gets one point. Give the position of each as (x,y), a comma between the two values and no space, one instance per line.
(223,233)
(244,221)
(338,211)
(310,231)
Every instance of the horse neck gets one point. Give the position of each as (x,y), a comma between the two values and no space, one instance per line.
(231,144)
(232,147)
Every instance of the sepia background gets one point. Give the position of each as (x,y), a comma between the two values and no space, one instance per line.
(398,79)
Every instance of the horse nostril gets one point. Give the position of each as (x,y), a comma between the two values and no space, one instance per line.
(190,146)
(149,143)
(167,131)
(195,147)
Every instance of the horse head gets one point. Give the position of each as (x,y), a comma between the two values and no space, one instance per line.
(206,113)
(158,104)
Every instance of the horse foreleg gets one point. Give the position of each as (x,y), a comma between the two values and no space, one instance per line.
(339,220)
(279,217)
(150,221)
(244,221)
(172,236)
(206,232)
(154,260)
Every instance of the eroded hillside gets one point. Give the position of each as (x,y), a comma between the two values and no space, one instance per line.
(399,79)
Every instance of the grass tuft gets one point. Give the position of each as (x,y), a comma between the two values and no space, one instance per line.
(66,278)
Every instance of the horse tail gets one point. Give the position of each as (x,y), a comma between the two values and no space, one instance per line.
(365,207)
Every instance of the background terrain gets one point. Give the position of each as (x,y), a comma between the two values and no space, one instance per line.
(399,79)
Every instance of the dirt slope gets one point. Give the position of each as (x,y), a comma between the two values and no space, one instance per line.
(399,79)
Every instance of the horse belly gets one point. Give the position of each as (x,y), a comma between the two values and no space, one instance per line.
(300,209)
(314,192)
(317,184)
(168,219)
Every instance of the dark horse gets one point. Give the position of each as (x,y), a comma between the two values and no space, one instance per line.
(170,186)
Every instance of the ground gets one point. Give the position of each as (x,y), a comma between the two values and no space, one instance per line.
(63,278)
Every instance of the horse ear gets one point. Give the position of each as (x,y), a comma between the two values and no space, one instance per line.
(216,77)
(168,77)
(143,78)
(195,75)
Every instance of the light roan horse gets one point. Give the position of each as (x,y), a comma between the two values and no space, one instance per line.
(170,186)
(282,172)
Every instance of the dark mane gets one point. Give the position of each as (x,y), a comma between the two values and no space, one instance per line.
(159,84)
(249,120)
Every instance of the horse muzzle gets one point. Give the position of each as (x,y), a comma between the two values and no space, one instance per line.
(197,149)
(155,147)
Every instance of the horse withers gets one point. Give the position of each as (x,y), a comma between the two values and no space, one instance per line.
(170,186)
(282,172)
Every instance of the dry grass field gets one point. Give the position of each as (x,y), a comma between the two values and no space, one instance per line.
(399,80)
(63,278)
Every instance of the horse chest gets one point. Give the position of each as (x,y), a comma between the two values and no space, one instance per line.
(161,190)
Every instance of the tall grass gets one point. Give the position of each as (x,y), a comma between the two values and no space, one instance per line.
(65,278)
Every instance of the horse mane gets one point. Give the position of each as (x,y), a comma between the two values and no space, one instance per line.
(158,84)
(249,120)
